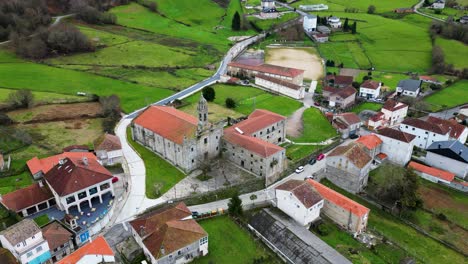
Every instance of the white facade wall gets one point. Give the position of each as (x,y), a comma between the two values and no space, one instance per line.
(423,138)
(34,246)
(463,136)
(430,177)
(407,93)
(398,152)
(369,93)
(309,24)
(275,134)
(96,259)
(278,88)
(460,169)
(290,205)
(395,117)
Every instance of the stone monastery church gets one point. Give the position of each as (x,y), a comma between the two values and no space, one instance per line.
(188,142)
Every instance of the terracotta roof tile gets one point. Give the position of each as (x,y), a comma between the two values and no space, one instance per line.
(370,84)
(382,156)
(427,78)
(98,246)
(341,80)
(258,120)
(26,197)
(279,81)
(56,235)
(349,118)
(354,153)
(21,231)
(396,134)
(303,191)
(392,105)
(253,144)
(346,92)
(168,122)
(377,117)
(370,141)
(36,165)
(455,129)
(107,142)
(339,199)
(269,68)
(74,175)
(444,175)
(432,127)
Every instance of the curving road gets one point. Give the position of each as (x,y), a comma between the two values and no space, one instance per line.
(418,5)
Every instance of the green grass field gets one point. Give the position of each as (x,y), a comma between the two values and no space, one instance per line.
(316,127)
(12,183)
(349,53)
(361,5)
(451,96)
(453,51)
(44,97)
(297,152)
(366,106)
(42,220)
(157,169)
(229,244)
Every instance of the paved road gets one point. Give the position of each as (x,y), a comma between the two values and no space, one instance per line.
(419,5)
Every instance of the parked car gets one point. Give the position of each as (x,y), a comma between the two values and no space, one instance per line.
(320,157)
(316,103)
(309,177)
(299,169)
(195,214)
(312,161)
(354,136)
(115,179)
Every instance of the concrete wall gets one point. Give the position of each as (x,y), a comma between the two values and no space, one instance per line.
(278,88)
(423,138)
(395,117)
(290,205)
(460,169)
(345,219)
(398,152)
(407,93)
(346,175)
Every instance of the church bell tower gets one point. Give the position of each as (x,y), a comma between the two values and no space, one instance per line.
(202,109)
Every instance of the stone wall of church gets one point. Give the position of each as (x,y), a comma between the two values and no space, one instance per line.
(274,134)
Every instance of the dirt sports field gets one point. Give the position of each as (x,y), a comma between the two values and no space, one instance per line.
(301,58)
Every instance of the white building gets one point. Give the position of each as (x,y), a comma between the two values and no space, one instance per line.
(268,6)
(97,251)
(397,145)
(370,89)
(425,132)
(25,241)
(310,23)
(280,86)
(432,174)
(409,87)
(334,22)
(108,149)
(299,200)
(457,131)
(438,4)
(392,113)
(450,156)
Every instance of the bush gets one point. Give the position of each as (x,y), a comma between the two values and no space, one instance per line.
(230,103)
(5,120)
(21,99)
(66,39)
(442,217)
(323,230)
(371,9)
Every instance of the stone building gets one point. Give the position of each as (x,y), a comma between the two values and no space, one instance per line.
(253,144)
(348,167)
(183,140)
(291,75)
(280,86)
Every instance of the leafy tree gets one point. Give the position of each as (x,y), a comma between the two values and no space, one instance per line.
(111,112)
(371,9)
(236,22)
(356,85)
(21,98)
(235,206)
(438,60)
(230,103)
(346,25)
(209,93)
(354,28)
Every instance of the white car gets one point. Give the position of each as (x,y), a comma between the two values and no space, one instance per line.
(300,169)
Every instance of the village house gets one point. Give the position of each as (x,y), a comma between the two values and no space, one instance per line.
(348,167)
(428,79)
(253,144)
(108,149)
(169,235)
(39,167)
(29,200)
(457,131)
(432,174)
(372,145)
(299,200)
(397,145)
(438,4)
(392,113)
(425,132)
(339,97)
(320,38)
(449,155)
(370,89)
(339,81)
(25,241)
(464,19)
(60,240)
(347,124)
(185,141)
(334,22)
(291,75)
(464,110)
(268,6)
(309,23)
(280,86)
(345,212)
(409,87)
(97,251)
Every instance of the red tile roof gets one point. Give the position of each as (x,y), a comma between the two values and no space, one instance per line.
(26,197)
(382,156)
(278,81)
(370,84)
(340,80)
(81,148)
(168,122)
(75,175)
(164,228)
(392,105)
(36,165)
(258,120)
(339,199)
(425,125)
(98,247)
(305,193)
(396,134)
(346,92)
(269,68)
(349,118)
(427,78)
(441,174)
(377,117)
(370,141)
(56,235)
(354,153)
(455,129)
(107,142)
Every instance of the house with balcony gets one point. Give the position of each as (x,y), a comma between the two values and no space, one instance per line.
(340,97)
(392,113)
(108,149)
(60,240)
(409,87)
(370,89)
(25,241)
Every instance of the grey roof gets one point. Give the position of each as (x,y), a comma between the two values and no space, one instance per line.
(21,231)
(296,242)
(451,148)
(410,85)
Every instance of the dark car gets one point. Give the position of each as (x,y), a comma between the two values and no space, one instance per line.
(312,161)
(195,214)
(316,103)
(353,136)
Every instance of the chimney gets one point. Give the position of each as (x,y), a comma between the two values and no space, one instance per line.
(163,251)
(41,184)
(142,231)
(85,161)
(61,161)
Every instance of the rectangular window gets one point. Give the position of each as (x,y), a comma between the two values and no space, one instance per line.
(70,199)
(203,241)
(206,140)
(82,195)
(29,254)
(92,190)
(104,186)
(39,249)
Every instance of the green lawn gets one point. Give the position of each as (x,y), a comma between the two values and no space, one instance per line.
(316,127)
(349,53)
(297,152)
(425,249)
(44,97)
(157,169)
(229,244)
(42,220)
(451,96)
(361,5)
(453,51)
(343,242)
(366,106)
(12,183)
(388,79)
(248,99)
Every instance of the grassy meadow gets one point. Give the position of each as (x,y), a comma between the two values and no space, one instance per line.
(366,106)
(454,51)
(361,5)
(316,127)
(454,95)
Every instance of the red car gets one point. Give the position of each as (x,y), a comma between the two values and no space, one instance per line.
(115,179)
(321,156)
(316,103)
